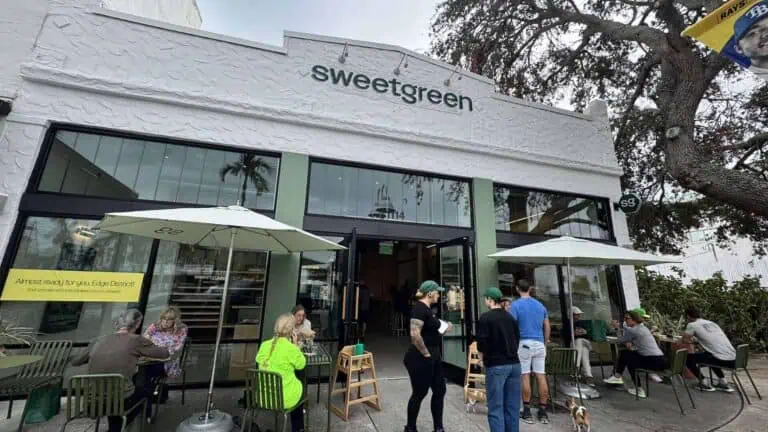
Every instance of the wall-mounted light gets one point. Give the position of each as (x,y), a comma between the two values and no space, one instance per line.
(404,65)
(3,199)
(344,54)
(455,71)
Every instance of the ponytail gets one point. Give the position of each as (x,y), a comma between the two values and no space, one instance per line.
(283,328)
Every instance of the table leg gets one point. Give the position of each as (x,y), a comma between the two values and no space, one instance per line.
(318,385)
(328,407)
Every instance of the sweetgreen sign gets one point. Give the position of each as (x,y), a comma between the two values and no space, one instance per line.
(408,93)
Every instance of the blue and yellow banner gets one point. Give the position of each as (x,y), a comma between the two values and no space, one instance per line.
(739,30)
(72,286)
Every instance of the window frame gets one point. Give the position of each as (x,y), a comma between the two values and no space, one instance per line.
(33,186)
(387,169)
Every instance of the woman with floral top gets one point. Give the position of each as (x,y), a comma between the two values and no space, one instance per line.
(169,332)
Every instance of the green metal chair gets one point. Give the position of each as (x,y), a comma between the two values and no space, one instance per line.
(264,392)
(48,371)
(562,362)
(676,371)
(742,358)
(100,395)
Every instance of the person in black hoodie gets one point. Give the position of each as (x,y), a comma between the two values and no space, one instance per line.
(498,337)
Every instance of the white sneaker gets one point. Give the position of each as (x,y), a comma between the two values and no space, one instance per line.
(723,386)
(640,392)
(656,378)
(614,380)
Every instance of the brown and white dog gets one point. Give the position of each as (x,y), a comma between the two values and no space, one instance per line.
(579,416)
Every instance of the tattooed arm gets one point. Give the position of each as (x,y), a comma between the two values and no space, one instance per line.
(416,339)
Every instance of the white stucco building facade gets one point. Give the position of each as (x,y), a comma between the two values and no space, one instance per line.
(80,72)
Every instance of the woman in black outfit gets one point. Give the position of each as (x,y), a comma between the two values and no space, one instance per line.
(423,357)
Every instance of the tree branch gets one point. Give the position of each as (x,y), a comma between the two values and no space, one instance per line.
(642,78)
(754,143)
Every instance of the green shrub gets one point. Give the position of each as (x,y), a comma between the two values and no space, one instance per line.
(741,309)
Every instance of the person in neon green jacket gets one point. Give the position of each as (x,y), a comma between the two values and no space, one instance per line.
(281,355)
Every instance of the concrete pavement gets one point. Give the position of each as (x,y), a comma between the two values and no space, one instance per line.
(615,411)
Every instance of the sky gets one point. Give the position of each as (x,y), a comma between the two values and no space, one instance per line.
(398,22)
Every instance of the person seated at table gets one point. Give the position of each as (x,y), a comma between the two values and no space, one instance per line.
(302,327)
(169,332)
(643,352)
(119,353)
(582,344)
(718,350)
(282,355)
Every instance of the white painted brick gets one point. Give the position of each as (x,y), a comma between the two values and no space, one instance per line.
(151,78)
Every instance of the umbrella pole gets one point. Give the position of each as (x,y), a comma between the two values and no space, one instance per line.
(209,403)
(570,304)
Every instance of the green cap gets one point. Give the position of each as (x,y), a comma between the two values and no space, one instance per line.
(640,311)
(429,286)
(493,293)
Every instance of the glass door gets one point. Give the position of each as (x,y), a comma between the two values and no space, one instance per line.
(455,270)
(349,287)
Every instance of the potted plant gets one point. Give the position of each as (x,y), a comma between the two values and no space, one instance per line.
(13,334)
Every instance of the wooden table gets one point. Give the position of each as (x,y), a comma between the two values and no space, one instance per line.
(12,361)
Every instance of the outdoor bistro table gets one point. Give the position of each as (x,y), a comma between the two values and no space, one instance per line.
(318,358)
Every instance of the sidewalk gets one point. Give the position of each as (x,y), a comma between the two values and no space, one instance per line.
(615,411)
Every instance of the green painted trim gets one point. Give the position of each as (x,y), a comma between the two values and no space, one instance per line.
(485,237)
(283,275)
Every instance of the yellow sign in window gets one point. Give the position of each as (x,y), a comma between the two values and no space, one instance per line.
(72,286)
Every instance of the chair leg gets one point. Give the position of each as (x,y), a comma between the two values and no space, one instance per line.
(23,415)
(741,387)
(647,386)
(680,404)
(125,423)
(687,390)
(10,408)
(98,422)
(183,385)
(285,422)
(277,420)
(753,384)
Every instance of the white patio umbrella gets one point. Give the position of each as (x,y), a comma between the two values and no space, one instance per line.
(232,227)
(569,251)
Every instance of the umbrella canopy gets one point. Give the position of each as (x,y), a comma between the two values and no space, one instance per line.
(212,227)
(563,250)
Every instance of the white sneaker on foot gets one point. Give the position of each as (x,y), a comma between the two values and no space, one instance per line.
(640,392)
(656,378)
(614,380)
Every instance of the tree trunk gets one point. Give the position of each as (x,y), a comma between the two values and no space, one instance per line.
(686,162)
(242,192)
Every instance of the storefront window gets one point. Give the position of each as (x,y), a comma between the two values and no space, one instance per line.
(319,286)
(526,211)
(593,293)
(69,244)
(192,279)
(131,169)
(595,290)
(338,190)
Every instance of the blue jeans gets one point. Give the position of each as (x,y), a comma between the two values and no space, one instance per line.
(502,386)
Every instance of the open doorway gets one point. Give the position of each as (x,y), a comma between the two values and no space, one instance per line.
(392,272)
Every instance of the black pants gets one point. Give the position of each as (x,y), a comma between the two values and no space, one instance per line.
(632,360)
(692,363)
(425,374)
(115,423)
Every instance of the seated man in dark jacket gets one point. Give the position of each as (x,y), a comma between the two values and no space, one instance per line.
(119,353)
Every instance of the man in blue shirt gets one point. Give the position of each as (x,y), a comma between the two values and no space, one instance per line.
(533,321)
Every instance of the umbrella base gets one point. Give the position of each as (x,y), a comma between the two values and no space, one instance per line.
(569,389)
(217,422)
